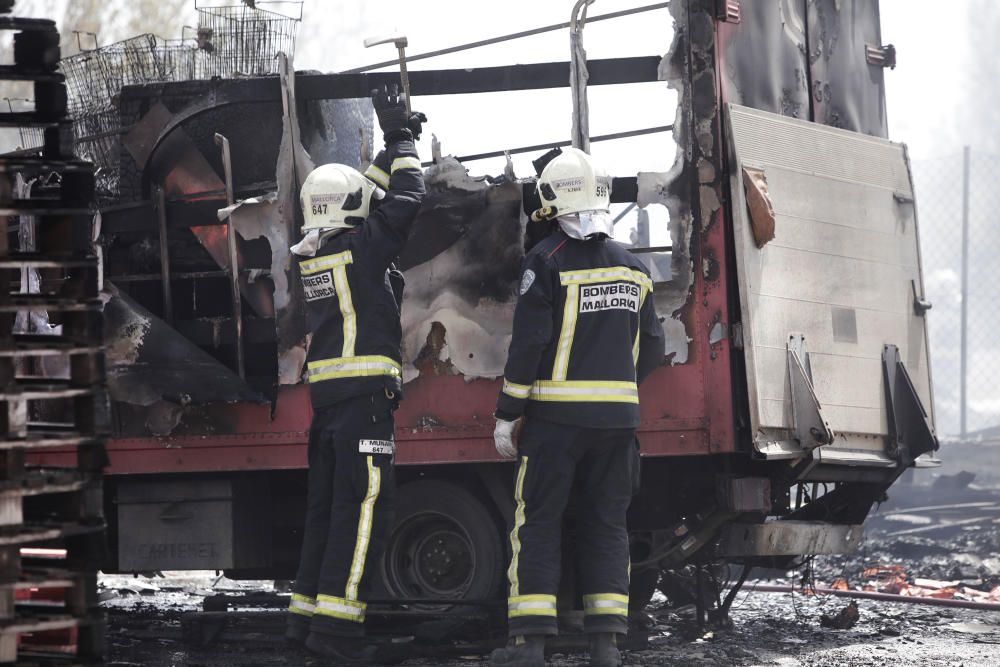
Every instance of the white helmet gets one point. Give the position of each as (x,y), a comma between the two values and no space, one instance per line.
(335,196)
(577,192)
(572,183)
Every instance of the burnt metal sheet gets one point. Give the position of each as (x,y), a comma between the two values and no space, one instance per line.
(763,61)
(149,362)
(462,264)
(806,59)
(848,92)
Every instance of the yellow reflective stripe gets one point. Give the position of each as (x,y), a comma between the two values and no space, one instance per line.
(302,605)
(561,366)
(605,275)
(605,603)
(635,348)
(346,310)
(531,605)
(515,541)
(365,520)
(348,610)
(584,390)
(344,367)
(516,390)
(311,266)
(378,176)
(404,163)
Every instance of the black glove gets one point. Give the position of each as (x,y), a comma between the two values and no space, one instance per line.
(396,123)
(415,123)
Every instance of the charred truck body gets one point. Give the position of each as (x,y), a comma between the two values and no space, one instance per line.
(796,387)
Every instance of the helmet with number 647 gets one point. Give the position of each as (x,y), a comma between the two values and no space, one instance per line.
(335,196)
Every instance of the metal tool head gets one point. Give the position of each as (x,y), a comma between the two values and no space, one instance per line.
(398,40)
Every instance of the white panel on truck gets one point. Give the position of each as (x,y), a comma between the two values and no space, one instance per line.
(842,271)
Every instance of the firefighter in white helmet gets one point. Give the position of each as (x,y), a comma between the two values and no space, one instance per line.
(355,226)
(585,335)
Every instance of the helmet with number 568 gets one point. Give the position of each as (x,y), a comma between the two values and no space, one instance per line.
(335,196)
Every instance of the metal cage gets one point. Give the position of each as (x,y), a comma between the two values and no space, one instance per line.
(94,77)
(242,40)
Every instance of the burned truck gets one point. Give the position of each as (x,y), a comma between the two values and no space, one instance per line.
(796,386)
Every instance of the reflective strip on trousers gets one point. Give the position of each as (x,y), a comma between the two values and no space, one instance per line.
(311,266)
(366,517)
(343,367)
(531,605)
(605,603)
(561,366)
(404,163)
(570,391)
(334,607)
(378,176)
(302,605)
(515,390)
(515,540)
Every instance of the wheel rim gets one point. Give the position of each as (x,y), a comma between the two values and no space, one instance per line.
(429,555)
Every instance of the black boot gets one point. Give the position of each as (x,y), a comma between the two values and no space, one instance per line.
(522,651)
(604,650)
(296,633)
(348,650)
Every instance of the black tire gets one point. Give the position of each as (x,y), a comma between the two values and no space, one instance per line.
(444,544)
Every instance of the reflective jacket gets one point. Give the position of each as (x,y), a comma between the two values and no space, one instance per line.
(353,313)
(585,334)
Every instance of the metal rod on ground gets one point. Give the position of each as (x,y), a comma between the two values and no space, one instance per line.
(506,38)
(885,597)
(559,144)
(966,174)
(234,270)
(161,213)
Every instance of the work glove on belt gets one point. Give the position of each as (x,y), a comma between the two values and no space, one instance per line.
(397,124)
(503,437)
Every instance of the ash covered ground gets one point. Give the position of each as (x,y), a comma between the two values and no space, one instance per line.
(940,539)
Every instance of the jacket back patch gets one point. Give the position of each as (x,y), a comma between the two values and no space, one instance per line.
(319,286)
(610,296)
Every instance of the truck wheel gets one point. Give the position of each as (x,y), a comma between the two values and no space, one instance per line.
(444,544)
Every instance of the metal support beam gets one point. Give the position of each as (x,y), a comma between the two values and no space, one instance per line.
(788,538)
(507,38)
(161,213)
(963,377)
(534,76)
(234,259)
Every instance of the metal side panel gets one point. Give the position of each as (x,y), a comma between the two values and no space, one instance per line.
(841,271)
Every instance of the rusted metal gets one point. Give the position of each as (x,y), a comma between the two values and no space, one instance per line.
(788,538)
(233,267)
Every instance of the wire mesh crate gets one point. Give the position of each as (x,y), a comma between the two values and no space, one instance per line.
(181,58)
(242,40)
(30,137)
(94,77)
(98,140)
